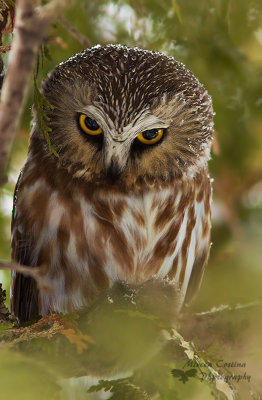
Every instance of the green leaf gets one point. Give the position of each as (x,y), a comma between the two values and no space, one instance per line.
(42,105)
(11,2)
(177,11)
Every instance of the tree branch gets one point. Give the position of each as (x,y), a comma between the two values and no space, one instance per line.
(31,26)
(82,39)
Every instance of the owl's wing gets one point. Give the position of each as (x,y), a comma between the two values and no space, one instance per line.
(24,293)
(196,276)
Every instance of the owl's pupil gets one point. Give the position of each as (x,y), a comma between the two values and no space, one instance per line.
(150,134)
(91,124)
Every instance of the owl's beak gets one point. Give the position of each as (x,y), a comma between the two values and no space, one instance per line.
(115,159)
(113,170)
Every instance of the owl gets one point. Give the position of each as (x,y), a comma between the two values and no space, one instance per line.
(128,197)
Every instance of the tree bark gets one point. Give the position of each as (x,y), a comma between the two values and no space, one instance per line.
(31,25)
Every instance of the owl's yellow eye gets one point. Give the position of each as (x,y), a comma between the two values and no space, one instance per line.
(89,125)
(151,136)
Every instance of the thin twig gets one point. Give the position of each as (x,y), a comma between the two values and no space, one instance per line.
(35,272)
(31,25)
(83,40)
(193,356)
(222,308)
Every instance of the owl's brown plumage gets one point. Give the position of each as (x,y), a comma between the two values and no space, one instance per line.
(113,207)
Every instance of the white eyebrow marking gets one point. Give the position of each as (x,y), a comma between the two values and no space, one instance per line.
(143,121)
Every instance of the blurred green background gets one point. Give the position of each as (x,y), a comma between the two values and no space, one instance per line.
(221,42)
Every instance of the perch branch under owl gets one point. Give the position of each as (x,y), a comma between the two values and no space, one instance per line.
(31,26)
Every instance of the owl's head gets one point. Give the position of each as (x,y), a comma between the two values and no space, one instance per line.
(125,114)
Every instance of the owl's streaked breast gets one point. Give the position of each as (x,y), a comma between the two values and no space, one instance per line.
(90,240)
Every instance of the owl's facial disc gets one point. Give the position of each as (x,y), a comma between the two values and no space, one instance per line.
(116,139)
